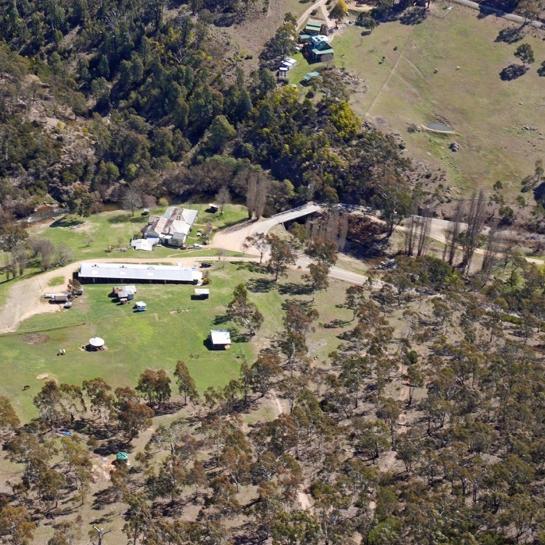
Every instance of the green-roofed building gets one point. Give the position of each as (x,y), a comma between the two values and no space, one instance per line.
(309,76)
(321,55)
(318,49)
(314,27)
(122,457)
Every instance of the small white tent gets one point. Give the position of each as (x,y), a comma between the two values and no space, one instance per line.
(96,343)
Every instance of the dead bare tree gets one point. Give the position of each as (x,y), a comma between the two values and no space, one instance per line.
(475,223)
(454,233)
(101,534)
(330,227)
(410,235)
(343,231)
(423,236)
(492,253)
(223,197)
(262,192)
(251,194)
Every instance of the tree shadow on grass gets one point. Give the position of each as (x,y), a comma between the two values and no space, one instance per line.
(510,35)
(333,324)
(105,497)
(124,218)
(260,285)
(513,71)
(252,267)
(221,319)
(414,16)
(292,288)
(67,221)
(111,447)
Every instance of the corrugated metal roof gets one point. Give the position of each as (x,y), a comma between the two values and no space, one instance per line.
(322,51)
(142,272)
(189,215)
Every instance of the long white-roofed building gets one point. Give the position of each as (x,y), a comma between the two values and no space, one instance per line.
(145,272)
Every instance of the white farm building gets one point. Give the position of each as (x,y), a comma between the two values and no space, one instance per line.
(173,227)
(130,272)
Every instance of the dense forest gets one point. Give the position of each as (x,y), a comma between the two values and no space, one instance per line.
(101,98)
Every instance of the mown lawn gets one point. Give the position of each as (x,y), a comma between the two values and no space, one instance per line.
(447,69)
(108,234)
(105,234)
(173,328)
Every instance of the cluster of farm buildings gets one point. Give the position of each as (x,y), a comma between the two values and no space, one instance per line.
(147,273)
(315,44)
(170,229)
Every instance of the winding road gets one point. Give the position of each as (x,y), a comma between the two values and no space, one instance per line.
(24,299)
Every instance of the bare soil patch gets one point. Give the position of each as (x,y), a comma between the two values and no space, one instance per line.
(35,338)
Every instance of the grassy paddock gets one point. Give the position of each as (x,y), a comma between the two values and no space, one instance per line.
(174,327)
(104,234)
(56,281)
(447,68)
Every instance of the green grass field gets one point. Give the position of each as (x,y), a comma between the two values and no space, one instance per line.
(108,234)
(174,327)
(102,235)
(397,63)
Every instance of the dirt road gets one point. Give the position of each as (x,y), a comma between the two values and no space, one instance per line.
(306,14)
(233,238)
(25,296)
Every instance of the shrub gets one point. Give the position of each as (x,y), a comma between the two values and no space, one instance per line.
(525,53)
(513,71)
(366,21)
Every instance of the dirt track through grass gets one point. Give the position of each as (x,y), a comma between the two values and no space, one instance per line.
(446,68)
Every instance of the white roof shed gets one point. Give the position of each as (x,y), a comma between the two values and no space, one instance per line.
(138,272)
(145,244)
(220,337)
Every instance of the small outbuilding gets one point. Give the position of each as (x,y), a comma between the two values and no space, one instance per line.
(145,244)
(318,49)
(58,298)
(124,294)
(140,306)
(96,343)
(220,339)
(201,293)
(309,77)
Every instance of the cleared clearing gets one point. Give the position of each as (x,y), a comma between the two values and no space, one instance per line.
(446,69)
(173,328)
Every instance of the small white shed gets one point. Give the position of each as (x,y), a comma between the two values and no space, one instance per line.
(220,339)
(145,244)
(201,293)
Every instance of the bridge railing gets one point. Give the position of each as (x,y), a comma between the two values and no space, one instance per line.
(296,209)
